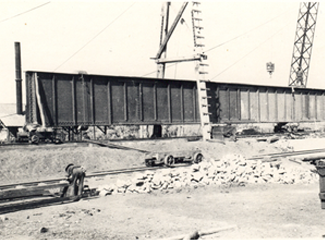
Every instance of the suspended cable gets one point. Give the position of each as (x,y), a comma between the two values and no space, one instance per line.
(9,115)
(19,14)
(243,34)
(149,73)
(100,32)
(170,65)
(250,52)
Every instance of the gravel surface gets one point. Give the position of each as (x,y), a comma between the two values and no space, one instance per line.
(269,210)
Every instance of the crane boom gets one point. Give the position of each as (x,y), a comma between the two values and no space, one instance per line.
(303,44)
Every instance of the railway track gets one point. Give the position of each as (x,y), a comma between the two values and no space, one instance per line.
(139,169)
(20,191)
(19,196)
(90,175)
(85,142)
(288,154)
(18,145)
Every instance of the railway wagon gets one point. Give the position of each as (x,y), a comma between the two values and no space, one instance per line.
(60,99)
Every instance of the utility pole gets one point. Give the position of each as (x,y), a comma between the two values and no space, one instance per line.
(161,67)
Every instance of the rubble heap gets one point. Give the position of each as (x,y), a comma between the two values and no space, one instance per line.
(230,170)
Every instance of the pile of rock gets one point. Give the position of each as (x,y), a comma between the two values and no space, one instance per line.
(234,170)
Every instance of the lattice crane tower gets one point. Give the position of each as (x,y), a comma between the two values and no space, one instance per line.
(303,44)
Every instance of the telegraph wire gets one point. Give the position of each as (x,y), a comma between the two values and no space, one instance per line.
(100,32)
(149,73)
(243,34)
(9,115)
(19,14)
(168,66)
(251,30)
(250,52)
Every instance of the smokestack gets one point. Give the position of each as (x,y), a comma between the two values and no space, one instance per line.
(19,96)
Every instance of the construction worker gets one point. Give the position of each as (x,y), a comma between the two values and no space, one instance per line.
(299,78)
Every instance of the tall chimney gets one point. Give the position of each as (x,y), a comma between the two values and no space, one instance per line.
(19,96)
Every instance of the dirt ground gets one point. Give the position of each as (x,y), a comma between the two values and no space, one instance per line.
(34,163)
(256,210)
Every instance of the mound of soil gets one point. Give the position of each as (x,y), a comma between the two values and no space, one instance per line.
(40,162)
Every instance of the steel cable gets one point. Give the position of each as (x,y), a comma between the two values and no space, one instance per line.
(19,14)
(100,32)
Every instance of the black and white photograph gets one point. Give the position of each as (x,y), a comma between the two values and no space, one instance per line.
(153,120)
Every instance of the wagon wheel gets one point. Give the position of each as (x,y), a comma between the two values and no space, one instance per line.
(34,139)
(169,160)
(198,157)
(149,162)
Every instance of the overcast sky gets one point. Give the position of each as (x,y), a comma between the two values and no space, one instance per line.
(119,38)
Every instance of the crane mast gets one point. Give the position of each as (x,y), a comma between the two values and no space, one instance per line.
(199,57)
(303,44)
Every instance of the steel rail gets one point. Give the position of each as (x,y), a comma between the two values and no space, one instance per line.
(288,154)
(120,171)
(16,146)
(23,204)
(93,174)
(23,145)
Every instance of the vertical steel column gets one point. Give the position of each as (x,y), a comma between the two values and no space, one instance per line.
(125,92)
(155,107)
(84,99)
(218,104)
(307,103)
(140,92)
(285,105)
(182,102)
(54,101)
(249,104)
(276,106)
(229,106)
(109,103)
(258,105)
(74,102)
(268,105)
(323,107)
(19,96)
(169,104)
(92,102)
(292,102)
(303,106)
(315,117)
(194,103)
(238,104)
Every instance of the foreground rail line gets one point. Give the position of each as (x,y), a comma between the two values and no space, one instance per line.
(20,196)
(90,175)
